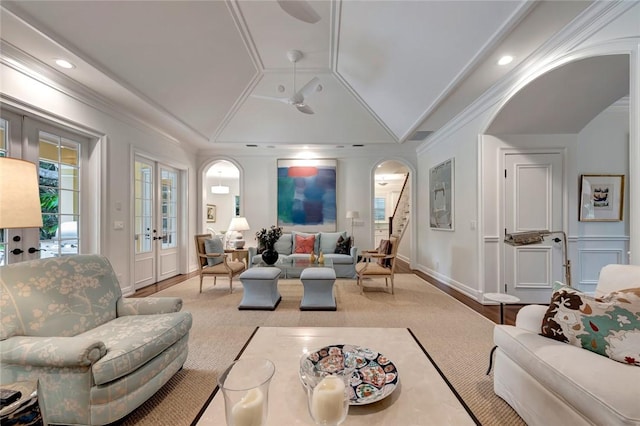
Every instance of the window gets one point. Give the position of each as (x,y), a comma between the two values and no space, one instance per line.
(379,209)
(59,178)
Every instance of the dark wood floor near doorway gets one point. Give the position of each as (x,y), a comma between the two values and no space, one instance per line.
(491,312)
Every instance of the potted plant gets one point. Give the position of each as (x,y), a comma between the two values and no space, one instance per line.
(266,240)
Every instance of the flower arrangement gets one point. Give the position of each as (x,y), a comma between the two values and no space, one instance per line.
(268,237)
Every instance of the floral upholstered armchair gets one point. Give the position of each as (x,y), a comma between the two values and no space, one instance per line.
(96,355)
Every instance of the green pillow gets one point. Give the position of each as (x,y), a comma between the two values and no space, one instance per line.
(213,246)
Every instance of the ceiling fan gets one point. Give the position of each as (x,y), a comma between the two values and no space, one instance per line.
(298,97)
(300,9)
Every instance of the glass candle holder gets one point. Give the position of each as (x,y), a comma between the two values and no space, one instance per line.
(245,386)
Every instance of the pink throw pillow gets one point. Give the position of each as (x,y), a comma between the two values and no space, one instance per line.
(305,244)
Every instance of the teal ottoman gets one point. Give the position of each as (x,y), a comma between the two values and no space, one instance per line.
(260,288)
(318,289)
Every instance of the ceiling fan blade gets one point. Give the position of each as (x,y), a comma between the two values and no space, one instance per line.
(305,108)
(300,9)
(272,98)
(310,87)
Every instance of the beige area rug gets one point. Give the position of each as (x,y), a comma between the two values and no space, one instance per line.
(457,338)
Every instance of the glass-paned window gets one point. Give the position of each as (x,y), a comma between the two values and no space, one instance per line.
(379,209)
(169,180)
(59,179)
(143,204)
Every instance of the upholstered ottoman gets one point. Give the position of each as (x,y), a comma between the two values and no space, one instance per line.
(260,288)
(318,289)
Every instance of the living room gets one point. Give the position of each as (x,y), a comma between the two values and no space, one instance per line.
(482,134)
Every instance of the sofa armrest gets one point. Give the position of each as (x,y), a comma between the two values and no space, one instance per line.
(148,306)
(354,253)
(530,317)
(252,251)
(52,351)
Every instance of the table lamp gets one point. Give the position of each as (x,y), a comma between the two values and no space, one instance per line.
(238,224)
(19,194)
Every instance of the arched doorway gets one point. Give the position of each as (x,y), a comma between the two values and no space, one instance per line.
(392,204)
(221,196)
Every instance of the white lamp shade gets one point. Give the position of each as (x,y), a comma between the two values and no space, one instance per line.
(353,214)
(19,194)
(239,224)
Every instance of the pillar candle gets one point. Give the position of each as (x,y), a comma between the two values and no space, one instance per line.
(248,411)
(327,403)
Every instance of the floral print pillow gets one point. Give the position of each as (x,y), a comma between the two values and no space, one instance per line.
(608,325)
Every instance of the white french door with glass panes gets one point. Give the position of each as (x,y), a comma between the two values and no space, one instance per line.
(156,237)
(58,154)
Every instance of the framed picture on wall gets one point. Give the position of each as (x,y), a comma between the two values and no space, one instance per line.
(307,194)
(211,213)
(441,194)
(601,198)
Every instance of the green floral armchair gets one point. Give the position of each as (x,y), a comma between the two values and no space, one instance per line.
(96,355)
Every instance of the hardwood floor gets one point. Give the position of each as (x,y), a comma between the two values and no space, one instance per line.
(491,312)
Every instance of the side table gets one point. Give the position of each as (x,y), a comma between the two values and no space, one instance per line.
(25,410)
(239,254)
(503,299)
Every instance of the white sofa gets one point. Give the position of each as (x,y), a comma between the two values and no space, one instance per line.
(548,382)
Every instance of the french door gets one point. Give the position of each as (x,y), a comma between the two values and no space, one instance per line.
(533,199)
(59,156)
(156,219)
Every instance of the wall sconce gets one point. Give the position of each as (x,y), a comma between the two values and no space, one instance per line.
(534,237)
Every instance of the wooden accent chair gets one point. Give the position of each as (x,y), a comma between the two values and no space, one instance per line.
(369,267)
(228,268)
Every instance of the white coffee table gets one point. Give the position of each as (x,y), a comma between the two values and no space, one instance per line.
(421,398)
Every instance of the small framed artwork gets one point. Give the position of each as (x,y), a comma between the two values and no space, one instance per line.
(601,198)
(211,213)
(441,196)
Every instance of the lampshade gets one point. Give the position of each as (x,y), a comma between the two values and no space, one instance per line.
(19,194)
(219,188)
(239,224)
(353,214)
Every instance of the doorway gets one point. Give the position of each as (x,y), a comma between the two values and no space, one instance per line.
(389,181)
(157,217)
(222,198)
(62,157)
(533,200)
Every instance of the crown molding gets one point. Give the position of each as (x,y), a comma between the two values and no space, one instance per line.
(546,57)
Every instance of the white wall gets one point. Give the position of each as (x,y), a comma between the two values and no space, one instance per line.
(225,203)
(461,258)
(354,186)
(112,174)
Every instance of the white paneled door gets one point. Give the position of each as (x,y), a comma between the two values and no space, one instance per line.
(533,200)
(156,237)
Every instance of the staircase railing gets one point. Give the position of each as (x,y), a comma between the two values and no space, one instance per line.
(400,219)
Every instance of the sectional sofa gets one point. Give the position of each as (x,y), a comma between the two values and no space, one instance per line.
(325,242)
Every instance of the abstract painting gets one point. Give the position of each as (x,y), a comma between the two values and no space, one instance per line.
(441,186)
(307,194)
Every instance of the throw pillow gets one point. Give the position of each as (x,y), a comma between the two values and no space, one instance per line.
(213,246)
(608,325)
(316,245)
(343,245)
(328,241)
(384,248)
(305,244)
(283,245)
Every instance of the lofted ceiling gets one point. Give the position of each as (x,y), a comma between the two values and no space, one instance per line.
(387,69)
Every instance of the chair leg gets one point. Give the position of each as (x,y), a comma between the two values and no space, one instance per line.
(391,284)
(200,283)
(230,284)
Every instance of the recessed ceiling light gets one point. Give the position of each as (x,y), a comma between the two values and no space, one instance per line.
(62,63)
(505,60)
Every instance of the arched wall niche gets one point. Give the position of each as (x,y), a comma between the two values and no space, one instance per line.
(561,106)
(225,172)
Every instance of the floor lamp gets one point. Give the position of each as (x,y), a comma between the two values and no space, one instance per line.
(352,214)
(534,237)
